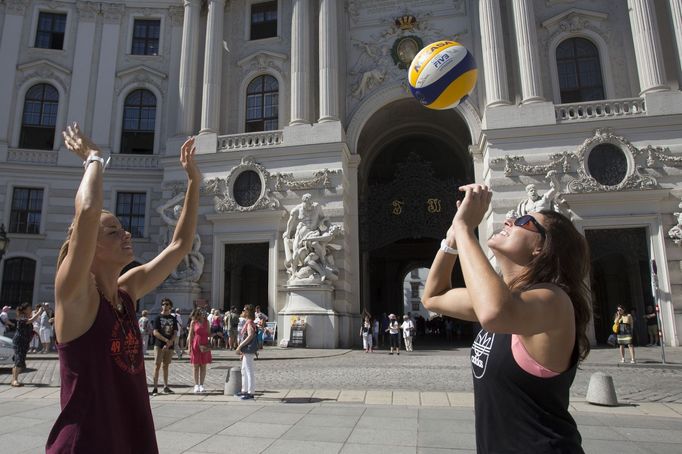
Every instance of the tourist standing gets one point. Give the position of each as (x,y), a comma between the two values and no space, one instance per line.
(145,326)
(394,334)
(651,326)
(5,322)
(408,332)
(366,334)
(45,328)
(165,332)
(199,349)
(22,338)
(248,348)
(624,322)
(232,323)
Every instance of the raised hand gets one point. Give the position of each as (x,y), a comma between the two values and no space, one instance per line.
(79,143)
(187,152)
(471,210)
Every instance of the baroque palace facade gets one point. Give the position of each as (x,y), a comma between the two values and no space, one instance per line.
(326,183)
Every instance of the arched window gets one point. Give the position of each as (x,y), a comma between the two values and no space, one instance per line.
(262,104)
(17,281)
(39,118)
(580,77)
(139,119)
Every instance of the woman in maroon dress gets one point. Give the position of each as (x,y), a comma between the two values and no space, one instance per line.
(104,399)
(199,350)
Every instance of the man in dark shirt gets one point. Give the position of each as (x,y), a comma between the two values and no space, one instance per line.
(165,331)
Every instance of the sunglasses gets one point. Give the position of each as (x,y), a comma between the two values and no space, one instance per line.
(166,304)
(525,222)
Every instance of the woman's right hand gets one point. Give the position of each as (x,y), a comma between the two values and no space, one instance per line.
(79,143)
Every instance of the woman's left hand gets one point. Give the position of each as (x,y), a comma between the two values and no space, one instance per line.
(187,153)
(471,210)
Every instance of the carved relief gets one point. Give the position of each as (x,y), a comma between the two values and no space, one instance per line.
(140,75)
(675,233)
(87,10)
(320,180)
(112,12)
(635,173)
(15,7)
(177,15)
(46,70)
(262,61)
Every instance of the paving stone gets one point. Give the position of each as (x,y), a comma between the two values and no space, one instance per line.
(315,433)
(302,447)
(384,436)
(225,443)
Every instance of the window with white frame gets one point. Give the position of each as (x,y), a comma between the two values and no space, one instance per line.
(139,120)
(39,117)
(18,275)
(26,210)
(263,20)
(262,104)
(130,211)
(50,32)
(579,69)
(146,34)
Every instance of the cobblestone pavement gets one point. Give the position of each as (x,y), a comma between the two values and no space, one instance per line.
(422,370)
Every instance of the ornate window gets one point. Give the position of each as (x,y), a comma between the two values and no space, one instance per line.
(247,188)
(139,119)
(262,104)
(607,164)
(130,210)
(263,20)
(580,76)
(17,281)
(50,33)
(26,211)
(39,118)
(146,37)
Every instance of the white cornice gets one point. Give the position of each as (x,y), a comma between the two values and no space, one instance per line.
(141,68)
(41,63)
(263,54)
(552,22)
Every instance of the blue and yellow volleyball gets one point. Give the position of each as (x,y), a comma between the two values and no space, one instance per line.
(442,74)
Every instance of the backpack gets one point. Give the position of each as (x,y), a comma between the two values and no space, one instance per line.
(234,320)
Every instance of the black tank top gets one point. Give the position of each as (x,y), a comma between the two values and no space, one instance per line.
(517,412)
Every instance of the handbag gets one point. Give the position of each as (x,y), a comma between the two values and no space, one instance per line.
(252,346)
(614,328)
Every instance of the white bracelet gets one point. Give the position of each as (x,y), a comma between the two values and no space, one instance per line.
(447,249)
(99,159)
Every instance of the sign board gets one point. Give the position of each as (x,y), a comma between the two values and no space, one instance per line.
(297,337)
(270,333)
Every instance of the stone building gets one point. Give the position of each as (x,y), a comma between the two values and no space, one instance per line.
(577,98)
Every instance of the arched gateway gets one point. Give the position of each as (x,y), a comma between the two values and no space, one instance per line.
(413,160)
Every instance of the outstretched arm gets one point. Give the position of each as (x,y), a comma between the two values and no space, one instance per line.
(142,279)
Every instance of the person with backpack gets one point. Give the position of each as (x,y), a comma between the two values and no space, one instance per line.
(248,348)
(232,324)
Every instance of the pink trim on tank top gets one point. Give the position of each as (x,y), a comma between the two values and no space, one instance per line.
(526,362)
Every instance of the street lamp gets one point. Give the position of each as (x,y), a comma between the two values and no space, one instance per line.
(4,241)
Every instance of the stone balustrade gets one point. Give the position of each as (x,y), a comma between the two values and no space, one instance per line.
(250,140)
(134,161)
(39,157)
(593,110)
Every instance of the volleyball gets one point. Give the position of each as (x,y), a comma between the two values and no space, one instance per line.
(442,74)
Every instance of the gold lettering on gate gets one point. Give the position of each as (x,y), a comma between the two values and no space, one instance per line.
(433,205)
(397,207)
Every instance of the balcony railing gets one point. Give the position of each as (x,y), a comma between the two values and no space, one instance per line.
(250,140)
(26,156)
(134,161)
(594,110)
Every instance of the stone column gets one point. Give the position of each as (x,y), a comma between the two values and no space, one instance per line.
(106,75)
(676,12)
(9,53)
(300,62)
(188,68)
(213,67)
(329,61)
(647,46)
(492,44)
(82,64)
(527,43)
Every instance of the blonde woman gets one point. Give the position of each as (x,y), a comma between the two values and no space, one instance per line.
(104,396)
(248,348)
(624,335)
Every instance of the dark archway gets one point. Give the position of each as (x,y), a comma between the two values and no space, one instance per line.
(413,161)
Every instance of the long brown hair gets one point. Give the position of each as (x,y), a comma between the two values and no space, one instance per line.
(564,261)
(64,250)
(249,312)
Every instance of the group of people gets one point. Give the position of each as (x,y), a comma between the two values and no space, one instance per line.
(533,311)
(373,331)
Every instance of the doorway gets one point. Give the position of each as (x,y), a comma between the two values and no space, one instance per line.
(246,276)
(621,275)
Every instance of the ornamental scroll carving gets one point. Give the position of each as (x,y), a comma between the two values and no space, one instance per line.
(635,164)
(320,180)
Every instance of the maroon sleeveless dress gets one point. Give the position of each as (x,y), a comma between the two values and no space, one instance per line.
(104,400)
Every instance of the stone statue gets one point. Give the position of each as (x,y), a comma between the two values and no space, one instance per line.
(536,202)
(369,80)
(192,265)
(675,233)
(308,243)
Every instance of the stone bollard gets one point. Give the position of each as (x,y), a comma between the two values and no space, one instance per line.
(233,381)
(601,391)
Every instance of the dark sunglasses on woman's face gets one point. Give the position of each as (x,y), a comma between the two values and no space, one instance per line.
(525,222)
